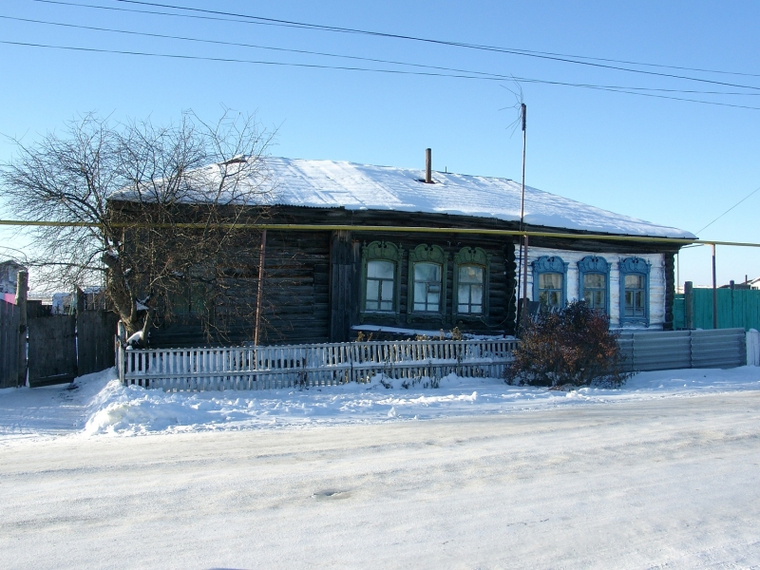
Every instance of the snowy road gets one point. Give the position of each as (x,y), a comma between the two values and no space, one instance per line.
(671,482)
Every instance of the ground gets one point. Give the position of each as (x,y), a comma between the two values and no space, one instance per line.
(664,473)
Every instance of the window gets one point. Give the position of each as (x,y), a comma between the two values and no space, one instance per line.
(470,279)
(549,276)
(427,287)
(427,271)
(380,261)
(634,291)
(594,275)
(188,299)
(470,290)
(380,280)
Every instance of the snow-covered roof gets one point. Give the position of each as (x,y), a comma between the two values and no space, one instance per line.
(330,184)
(339,184)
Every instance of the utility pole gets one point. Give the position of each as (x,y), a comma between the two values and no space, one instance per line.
(714,290)
(260,288)
(22,290)
(524,310)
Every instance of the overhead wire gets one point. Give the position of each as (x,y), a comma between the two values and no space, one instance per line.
(755,191)
(367,59)
(613,65)
(463,75)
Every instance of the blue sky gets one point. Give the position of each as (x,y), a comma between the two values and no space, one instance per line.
(669,161)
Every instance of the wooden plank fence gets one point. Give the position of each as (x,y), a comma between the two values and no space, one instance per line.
(273,367)
(9,344)
(253,368)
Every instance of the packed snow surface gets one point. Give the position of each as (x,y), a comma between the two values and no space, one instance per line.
(662,473)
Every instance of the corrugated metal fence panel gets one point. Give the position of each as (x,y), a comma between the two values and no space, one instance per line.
(656,350)
(722,348)
(669,350)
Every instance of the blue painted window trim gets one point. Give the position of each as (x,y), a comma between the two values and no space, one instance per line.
(550,264)
(634,266)
(594,265)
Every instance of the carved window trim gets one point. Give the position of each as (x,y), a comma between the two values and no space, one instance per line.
(640,267)
(471,257)
(381,251)
(435,255)
(549,264)
(594,265)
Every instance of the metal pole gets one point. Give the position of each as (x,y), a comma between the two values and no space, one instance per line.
(524,311)
(22,288)
(715,290)
(260,288)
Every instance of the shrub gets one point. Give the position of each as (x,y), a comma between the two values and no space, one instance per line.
(572,346)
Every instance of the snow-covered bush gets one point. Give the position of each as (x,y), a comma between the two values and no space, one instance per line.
(571,346)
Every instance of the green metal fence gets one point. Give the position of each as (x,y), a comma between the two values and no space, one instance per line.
(737,308)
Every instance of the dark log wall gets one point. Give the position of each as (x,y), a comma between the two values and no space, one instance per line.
(296,303)
(312,280)
(500,314)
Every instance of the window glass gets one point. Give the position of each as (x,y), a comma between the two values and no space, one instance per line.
(634,296)
(550,290)
(380,277)
(380,269)
(470,289)
(189,300)
(634,281)
(427,287)
(595,290)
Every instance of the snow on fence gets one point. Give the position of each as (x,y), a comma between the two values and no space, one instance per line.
(268,367)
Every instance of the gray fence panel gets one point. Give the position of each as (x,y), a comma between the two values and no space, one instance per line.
(669,350)
(722,348)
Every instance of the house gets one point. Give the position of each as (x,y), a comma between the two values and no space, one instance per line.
(9,271)
(353,249)
(746,284)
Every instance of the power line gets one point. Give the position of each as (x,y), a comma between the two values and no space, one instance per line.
(731,208)
(254,46)
(623,89)
(614,65)
(463,75)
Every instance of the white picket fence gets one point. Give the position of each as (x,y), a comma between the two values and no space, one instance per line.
(272,367)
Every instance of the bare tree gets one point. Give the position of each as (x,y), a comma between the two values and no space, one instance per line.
(158,214)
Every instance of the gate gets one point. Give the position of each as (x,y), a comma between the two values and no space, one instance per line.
(52,350)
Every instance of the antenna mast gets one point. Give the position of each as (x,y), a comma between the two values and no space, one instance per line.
(524,309)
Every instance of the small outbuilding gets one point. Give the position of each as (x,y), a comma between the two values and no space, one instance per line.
(9,271)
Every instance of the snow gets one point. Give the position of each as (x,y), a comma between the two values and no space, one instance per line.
(328,183)
(339,184)
(662,473)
